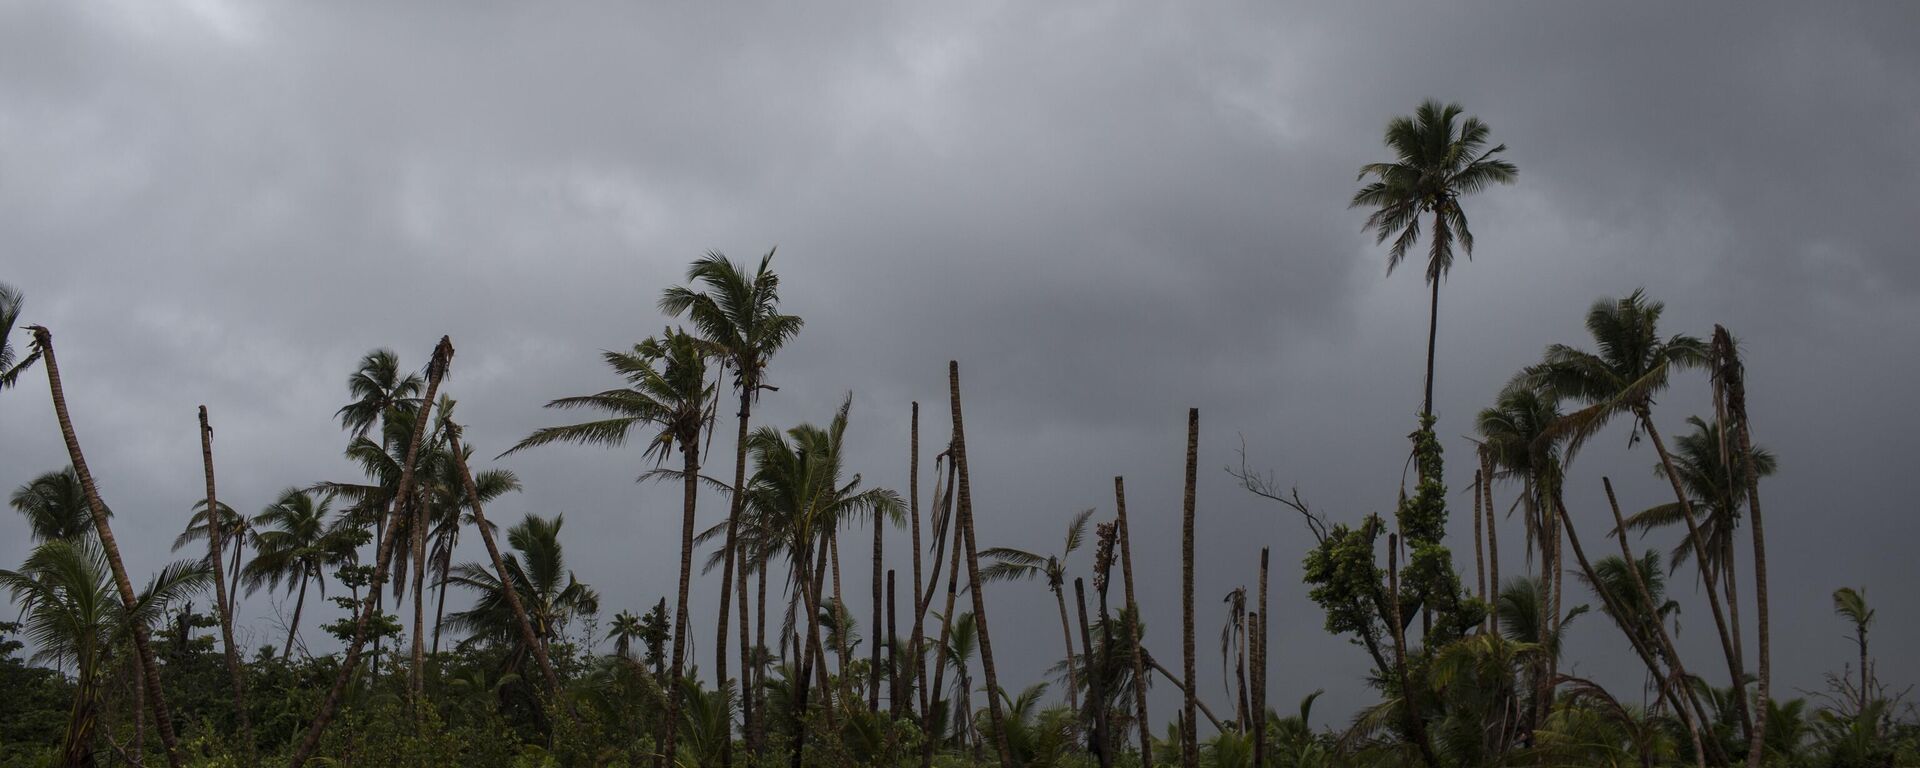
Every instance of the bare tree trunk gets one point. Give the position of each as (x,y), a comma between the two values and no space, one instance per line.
(896,692)
(928,710)
(422,519)
(749,714)
(1479,539)
(873,665)
(913,501)
(1066,632)
(758,730)
(1205,711)
(223,598)
(1260,671)
(1189,733)
(1734,672)
(442,356)
(1732,379)
(534,642)
(1493,544)
(1096,695)
(1133,606)
(812,653)
(163,721)
(1676,683)
(976,588)
(440,611)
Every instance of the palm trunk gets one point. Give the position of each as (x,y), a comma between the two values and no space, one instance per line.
(139,708)
(840,618)
(1433,329)
(689,500)
(76,746)
(808,658)
(1096,697)
(294,628)
(896,692)
(873,671)
(1734,672)
(330,706)
(163,720)
(757,730)
(222,597)
(1416,727)
(417,675)
(535,642)
(940,650)
(440,612)
(748,714)
(748,386)
(233,579)
(1732,376)
(1066,632)
(1141,722)
(1493,545)
(1479,539)
(913,502)
(1189,732)
(1240,671)
(977,589)
(1676,683)
(1260,670)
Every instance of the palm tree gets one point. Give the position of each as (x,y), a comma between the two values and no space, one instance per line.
(452,510)
(1633,365)
(1711,486)
(668,388)
(1011,564)
(623,631)
(223,600)
(43,347)
(11,299)
(294,545)
(1852,604)
(799,493)
(1189,730)
(1134,655)
(537,571)
(1434,165)
(234,527)
(66,597)
(1520,446)
(378,388)
(738,317)
(963,642)
(970,537)
(55,506)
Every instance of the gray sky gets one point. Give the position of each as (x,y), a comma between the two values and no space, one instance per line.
(1107,212)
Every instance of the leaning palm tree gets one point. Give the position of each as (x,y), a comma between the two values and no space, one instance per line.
(66,597)
(55,506)
(537,570)
(738,316)
(668,388)
(452,511)
(1435,164)
(10,368)
(110,547)
(294,544)
(1010,564)
(1852,604)
(1711,484)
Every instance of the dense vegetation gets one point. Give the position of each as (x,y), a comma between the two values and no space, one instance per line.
(491,662)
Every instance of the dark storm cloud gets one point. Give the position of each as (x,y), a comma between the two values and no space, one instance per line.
(1107,212)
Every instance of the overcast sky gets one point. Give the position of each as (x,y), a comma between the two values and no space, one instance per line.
(1107,212)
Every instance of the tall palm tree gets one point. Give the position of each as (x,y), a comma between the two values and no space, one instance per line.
(1632,366)
(1010,564)
(1435,163)
(963,643)
(737,314)
(1519,446)
(103,530)
(294,544)
(1189,730)
(1134,654)
(537,571)
(668,388)
(66,597)
(1851,604)
(11,299)
(55,506)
